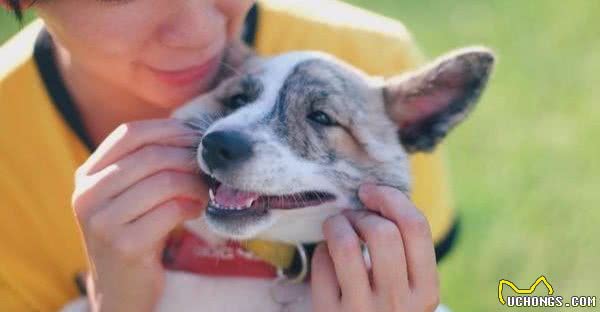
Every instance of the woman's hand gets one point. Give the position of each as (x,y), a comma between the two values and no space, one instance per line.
(403,277)
(139,184)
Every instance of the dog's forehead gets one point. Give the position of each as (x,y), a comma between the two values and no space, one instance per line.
(305,72)
(284,64)
(275,71)
(288,78)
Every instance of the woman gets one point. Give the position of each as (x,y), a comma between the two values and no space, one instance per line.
(88,92)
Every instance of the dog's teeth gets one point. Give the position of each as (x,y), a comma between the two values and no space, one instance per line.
(211,195)
(217,205)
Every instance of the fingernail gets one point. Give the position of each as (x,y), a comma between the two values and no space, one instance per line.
(366,189)
(332,219)
(191,205)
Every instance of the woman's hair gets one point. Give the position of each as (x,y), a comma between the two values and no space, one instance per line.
(15,6)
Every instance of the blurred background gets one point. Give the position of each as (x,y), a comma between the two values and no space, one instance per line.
(525,166)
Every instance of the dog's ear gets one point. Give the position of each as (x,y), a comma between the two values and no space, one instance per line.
(238,53)
(427,103)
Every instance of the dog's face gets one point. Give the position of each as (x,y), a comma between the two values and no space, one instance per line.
(288,140)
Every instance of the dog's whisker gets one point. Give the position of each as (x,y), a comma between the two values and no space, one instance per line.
(201,123)
(235,71)
(319,197)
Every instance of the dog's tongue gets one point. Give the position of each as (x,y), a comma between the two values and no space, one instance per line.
(230,197)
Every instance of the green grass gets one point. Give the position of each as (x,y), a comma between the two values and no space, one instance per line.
(9,24)
(525,169)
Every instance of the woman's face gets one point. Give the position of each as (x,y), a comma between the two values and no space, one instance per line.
(162,51)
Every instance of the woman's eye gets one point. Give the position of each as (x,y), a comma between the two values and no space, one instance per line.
(321,118)
(237,101)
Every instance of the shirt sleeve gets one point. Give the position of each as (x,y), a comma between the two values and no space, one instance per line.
(10,300)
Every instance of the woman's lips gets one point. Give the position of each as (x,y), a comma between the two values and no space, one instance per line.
(187,75)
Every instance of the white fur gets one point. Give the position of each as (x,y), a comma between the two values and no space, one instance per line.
(288,228)
(194,293)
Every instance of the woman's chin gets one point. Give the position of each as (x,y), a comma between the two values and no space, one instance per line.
(171,93)
(171,97)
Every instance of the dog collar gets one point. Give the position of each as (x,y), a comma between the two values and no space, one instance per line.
(185,251)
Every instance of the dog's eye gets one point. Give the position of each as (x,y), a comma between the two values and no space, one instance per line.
(321,118)
(237,101)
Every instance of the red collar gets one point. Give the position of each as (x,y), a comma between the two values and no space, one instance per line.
(187,252)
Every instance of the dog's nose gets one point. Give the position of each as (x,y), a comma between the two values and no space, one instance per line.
(222,149)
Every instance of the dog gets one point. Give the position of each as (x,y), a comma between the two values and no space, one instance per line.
(287,140)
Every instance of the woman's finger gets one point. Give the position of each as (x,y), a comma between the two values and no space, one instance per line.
(153,227)
(144,162)
(324,283)
(152,191)
(415,231)
(131,136)
(350,268)
(386,251)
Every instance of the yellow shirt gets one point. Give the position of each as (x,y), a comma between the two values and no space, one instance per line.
(40,245)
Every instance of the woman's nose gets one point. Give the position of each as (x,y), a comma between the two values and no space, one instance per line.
(193,24)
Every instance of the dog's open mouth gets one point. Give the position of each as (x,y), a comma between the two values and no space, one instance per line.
(226,200)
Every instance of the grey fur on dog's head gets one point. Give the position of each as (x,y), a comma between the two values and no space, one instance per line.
(315,123)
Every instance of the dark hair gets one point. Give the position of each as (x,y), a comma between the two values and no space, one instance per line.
(15,6)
